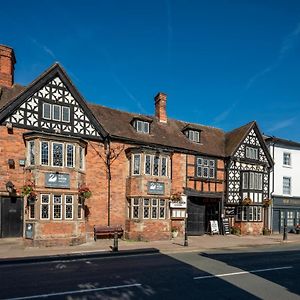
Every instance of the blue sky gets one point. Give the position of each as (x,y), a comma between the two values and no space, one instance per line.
(221,63)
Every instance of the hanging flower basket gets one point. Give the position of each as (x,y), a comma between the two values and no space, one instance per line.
(175,197)
(84,192)
(267,202)
(28,189)
(246,201)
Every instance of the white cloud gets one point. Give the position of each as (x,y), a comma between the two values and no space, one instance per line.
(282,124)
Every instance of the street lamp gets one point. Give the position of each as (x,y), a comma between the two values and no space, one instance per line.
(186,243)
(9,187)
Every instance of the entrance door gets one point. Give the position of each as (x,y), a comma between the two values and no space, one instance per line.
(196,217)
(276,220)
(11,219)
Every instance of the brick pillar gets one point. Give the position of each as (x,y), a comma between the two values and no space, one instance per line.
(7,62)
(160,107)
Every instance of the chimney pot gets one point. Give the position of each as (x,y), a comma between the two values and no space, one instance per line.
(160,107)
(7,62)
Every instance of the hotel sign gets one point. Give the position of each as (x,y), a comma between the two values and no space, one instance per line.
(55,180)
(180,203)
(156,188)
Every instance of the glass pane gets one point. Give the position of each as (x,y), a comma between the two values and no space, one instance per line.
(56,112)
(136,164)
(147,164)
(31,153)
(66,114)
(70,156)
(155,165)
(45,153)
(163,166)
(57,155)
(46,111)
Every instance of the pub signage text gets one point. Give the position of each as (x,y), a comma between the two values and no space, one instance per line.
(57,180)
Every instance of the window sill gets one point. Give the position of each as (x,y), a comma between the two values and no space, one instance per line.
(287,166)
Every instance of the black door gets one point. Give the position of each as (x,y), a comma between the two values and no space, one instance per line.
(11,218)
(196,217)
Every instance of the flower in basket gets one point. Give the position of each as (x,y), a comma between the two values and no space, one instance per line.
(84,192)
(267,202)
(297,226)
(176,196)
(246,201)
(174,229)
(27,189)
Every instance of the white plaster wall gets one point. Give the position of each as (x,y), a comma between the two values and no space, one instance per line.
(281,171)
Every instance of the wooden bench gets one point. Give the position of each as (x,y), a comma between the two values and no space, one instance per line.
(107,231)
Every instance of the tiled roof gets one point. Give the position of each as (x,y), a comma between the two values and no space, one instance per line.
(8,94)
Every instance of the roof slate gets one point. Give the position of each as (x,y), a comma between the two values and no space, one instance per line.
(7,94)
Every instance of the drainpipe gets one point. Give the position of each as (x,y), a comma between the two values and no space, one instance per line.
(273,182)
(107,153)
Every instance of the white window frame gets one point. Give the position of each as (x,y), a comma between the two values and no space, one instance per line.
(150,156)
(52,148)
(66,155)
(59,107)
(60,204)
(50,109)
(62,114)
(29,143)
(290,159)
(41,206)
(165,209)
(81,158)
(49,151)
(167,167)
(69,204)
(140,163)
(290,185)
(158,165)
(135,205)
(193,135)
(251,152)
(145,126)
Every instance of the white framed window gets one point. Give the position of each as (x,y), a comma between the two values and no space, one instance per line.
(57,207)
(68,207)
(31,211)
(141,126)
(44,153)
(47,111)
(178,213)
(31,153)
(56,112)
(155,169)
(146,208)
(252,153)
(70,155)
(162,208)
(57,154)
(286,159)
(136,164)
(65,114)
(45,207)
(249,213)
(135,208)
(80,208)
(205,167)
(286,185)
(193,135)
(154,208)
(252,181)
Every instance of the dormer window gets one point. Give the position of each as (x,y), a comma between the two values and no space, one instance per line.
(141,126)
(193,135)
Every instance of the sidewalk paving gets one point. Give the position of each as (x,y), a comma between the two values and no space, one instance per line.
(13,248)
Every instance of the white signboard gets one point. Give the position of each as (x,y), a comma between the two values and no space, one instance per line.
(214,226)
(181,203)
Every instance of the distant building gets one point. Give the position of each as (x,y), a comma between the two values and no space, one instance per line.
(66,165)
(284,183)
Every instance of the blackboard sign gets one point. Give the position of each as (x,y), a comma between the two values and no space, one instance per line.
(214,227)
(226,227)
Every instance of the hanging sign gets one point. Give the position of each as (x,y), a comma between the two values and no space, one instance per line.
(214,226)
(180,203)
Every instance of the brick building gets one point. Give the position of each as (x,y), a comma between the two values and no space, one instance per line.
(142,172)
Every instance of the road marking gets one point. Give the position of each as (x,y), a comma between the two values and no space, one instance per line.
(77,291)
(242,272)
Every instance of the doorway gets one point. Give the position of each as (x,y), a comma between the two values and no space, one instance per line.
(196,217)
(11,217)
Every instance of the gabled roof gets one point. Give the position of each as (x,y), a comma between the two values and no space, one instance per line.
(281,141)
(7,94)
(169,134)
(55,70)
(235,137)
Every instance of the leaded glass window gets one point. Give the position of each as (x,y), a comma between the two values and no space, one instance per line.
(146,208)
(69,207)
(70,156)
(45,153)
(57,154)
(164,166)
(81,158)
(80,207)
(57,207)
(135,208)
(162,209)
(31,211)
(136,164)
(205,167)
(47,111)
(154,208)
(155,165)
(147,165)
(45,203)
(31,153)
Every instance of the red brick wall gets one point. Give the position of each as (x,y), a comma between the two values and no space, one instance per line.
(7,61)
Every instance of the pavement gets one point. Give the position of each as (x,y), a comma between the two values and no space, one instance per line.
(14,249)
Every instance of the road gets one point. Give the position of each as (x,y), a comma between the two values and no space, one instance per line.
(249,273)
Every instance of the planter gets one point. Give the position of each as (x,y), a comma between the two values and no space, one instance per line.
(174,234)
(297,231)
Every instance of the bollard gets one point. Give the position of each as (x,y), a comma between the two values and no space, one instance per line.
(115,247)
(285,232)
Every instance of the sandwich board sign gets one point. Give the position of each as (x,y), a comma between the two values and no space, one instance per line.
(214,227)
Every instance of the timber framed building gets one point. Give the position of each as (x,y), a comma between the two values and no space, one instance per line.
(146,173)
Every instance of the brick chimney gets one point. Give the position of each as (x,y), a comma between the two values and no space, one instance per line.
(7,62)
(160,107)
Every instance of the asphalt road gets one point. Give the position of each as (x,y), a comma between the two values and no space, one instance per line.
(250,273)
